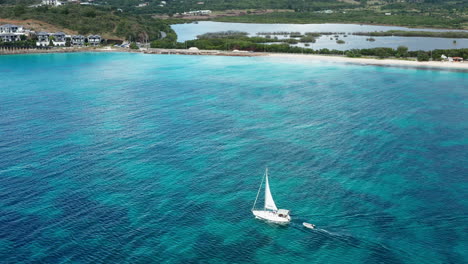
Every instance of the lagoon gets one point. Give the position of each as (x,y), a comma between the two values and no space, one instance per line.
(190,31)
(135,158)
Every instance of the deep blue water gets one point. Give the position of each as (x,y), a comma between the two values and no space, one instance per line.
(132,158)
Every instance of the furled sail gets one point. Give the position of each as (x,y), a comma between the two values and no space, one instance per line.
(269,203)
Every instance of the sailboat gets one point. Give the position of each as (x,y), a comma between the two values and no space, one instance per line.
(270,212)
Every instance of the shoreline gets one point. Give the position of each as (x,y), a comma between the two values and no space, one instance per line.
(347,23)
(434,65)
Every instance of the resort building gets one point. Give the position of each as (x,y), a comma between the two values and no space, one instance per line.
(13,29)
(42,39)
(10,33)
(59,39)
(94,40)
(77,40)
(51,2)
(143,4)
(198,13)
(8,37)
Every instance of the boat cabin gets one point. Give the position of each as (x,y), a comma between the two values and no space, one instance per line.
(283,213)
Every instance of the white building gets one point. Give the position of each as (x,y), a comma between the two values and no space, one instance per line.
(51,2)
(9,28)
(197,13)
(94,40)
(143,4)
(42,39)
(9,37)
(77,40)
(9,32)
(59,39)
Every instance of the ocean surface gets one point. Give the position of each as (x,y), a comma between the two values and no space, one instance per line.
(133,158)
(190,31)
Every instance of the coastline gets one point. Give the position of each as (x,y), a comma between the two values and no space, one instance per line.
(347,23)
(434,65)
(439,65)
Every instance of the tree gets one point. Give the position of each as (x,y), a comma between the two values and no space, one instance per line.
(382,53)
(354,53)
(402,52)
(134,46)
(19,10)
(51,43)
(422,56)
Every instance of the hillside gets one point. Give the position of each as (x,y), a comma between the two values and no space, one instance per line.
(414,13)
(72,18)
(37,25)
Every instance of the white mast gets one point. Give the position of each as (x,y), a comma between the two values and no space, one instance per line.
(256,198)
(269,202)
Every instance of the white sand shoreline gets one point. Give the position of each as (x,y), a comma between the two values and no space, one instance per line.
(460,66)
(435,65)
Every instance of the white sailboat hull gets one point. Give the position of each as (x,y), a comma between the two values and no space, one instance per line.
(271,216)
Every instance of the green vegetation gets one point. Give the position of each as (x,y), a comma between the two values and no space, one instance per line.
(307,39)
(134,46)
(414,13)
(224,38)
(423,56)
(169,42)
(92,20)
(340,41)
(257,44)
(223,34)
(401,52)
(401,33)
(173,7)
(353,16)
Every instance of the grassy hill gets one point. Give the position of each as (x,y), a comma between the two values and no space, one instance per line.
(414,13)
(357,17)
(106,21)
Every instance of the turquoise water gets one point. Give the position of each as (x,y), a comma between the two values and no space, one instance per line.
(132,158)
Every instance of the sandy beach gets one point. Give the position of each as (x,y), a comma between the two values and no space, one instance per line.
(459,66)
(438,65)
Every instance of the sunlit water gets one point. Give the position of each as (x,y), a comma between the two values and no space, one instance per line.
(132,158)
(191,31)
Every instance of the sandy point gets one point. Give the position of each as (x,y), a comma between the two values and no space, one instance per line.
(459,66)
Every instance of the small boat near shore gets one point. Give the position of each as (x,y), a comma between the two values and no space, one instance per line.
(308,225)
(270,212)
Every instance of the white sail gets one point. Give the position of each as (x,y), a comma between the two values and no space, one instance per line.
(269,203)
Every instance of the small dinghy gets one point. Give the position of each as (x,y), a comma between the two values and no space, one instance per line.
(310,226)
